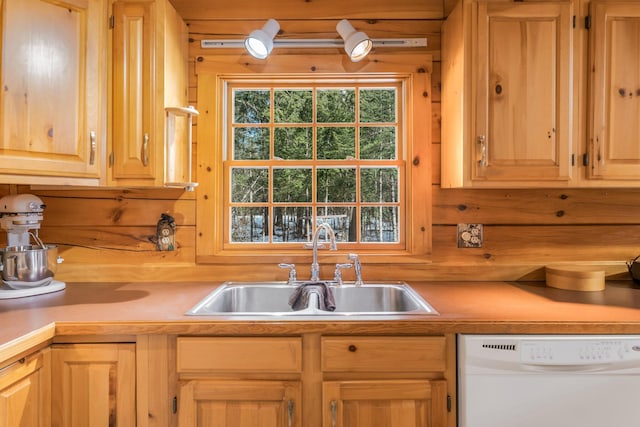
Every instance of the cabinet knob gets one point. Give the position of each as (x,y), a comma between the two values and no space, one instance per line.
(353,348)
(498,89)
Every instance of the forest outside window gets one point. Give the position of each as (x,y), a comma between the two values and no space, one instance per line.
(298,155)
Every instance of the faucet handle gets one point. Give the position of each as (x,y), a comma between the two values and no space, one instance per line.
(357,267)
(337,275)
(292,272)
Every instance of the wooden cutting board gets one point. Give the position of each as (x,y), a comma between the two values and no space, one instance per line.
(575,277)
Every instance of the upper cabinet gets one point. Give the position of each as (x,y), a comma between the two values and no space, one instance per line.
(614,139)
(508,94)
(53,97)
(71,113)
(541,94)
(149,74)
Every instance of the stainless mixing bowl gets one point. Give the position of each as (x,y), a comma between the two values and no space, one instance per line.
(28,266)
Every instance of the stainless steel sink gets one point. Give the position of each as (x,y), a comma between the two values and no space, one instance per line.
(271,299)
(379,298)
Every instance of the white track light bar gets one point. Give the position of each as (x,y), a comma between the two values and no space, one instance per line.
(313,43)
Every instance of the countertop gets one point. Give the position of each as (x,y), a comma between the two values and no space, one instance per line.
(464,307)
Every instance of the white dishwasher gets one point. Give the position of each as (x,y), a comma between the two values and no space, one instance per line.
(548,381)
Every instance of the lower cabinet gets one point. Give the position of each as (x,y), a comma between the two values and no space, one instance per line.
(384,381)
(312,381)
(308,380)
(243,403)
(93,385)
(239,381)
(402,403)
(25,398)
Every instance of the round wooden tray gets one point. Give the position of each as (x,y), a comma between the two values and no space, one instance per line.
(576,277)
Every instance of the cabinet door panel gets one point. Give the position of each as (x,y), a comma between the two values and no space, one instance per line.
(384,403)
(53,87)
(519,71)
(523,95)
(615,65)
(240,403)
(150,72)
(25,392)
(133,138)
(94,384)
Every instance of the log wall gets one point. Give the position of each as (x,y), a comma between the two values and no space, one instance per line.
(107,235)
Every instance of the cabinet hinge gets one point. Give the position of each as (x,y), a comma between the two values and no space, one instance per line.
(585,159)
(112,22)
(574,21)
(587,22)
(573,159)
(111,160)
(175,404)
(448,403)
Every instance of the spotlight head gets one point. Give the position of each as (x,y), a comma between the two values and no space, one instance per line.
(260,42)
(356,43)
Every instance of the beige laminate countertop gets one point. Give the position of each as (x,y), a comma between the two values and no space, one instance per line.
(464,307)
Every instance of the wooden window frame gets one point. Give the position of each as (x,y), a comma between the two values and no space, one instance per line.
(214,71)
(358,164)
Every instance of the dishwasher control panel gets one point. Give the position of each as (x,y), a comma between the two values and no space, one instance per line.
(578,351)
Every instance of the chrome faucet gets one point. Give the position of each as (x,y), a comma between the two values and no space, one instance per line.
(315,267)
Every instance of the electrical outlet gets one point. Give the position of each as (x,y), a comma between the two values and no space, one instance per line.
(469,235)
(165,233)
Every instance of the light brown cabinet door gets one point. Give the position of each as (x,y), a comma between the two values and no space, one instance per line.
(220,403)
(53,98)
(93,385)
(133,140)
(149,64)
(25,398)
(384,403)
(614,143)
(523,77)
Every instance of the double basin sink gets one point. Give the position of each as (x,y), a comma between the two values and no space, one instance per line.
(271,300)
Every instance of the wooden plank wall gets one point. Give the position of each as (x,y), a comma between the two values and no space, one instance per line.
(107,235)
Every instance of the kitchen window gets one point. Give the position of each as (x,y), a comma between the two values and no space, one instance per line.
(287,144)
(298,155)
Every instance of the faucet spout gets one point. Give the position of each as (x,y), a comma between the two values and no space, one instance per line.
(315,267)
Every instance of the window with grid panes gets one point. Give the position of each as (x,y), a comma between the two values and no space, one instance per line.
(304,153)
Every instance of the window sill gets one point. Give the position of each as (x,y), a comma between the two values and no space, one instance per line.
(325,257)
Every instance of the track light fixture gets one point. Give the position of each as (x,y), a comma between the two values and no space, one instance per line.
(356,43)
(260,42)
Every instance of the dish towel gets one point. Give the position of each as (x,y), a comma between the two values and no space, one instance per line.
(299,299)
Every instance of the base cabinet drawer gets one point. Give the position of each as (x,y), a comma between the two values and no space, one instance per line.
(239,354)
(388,354)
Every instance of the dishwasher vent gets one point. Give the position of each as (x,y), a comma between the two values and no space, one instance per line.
(508,347)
